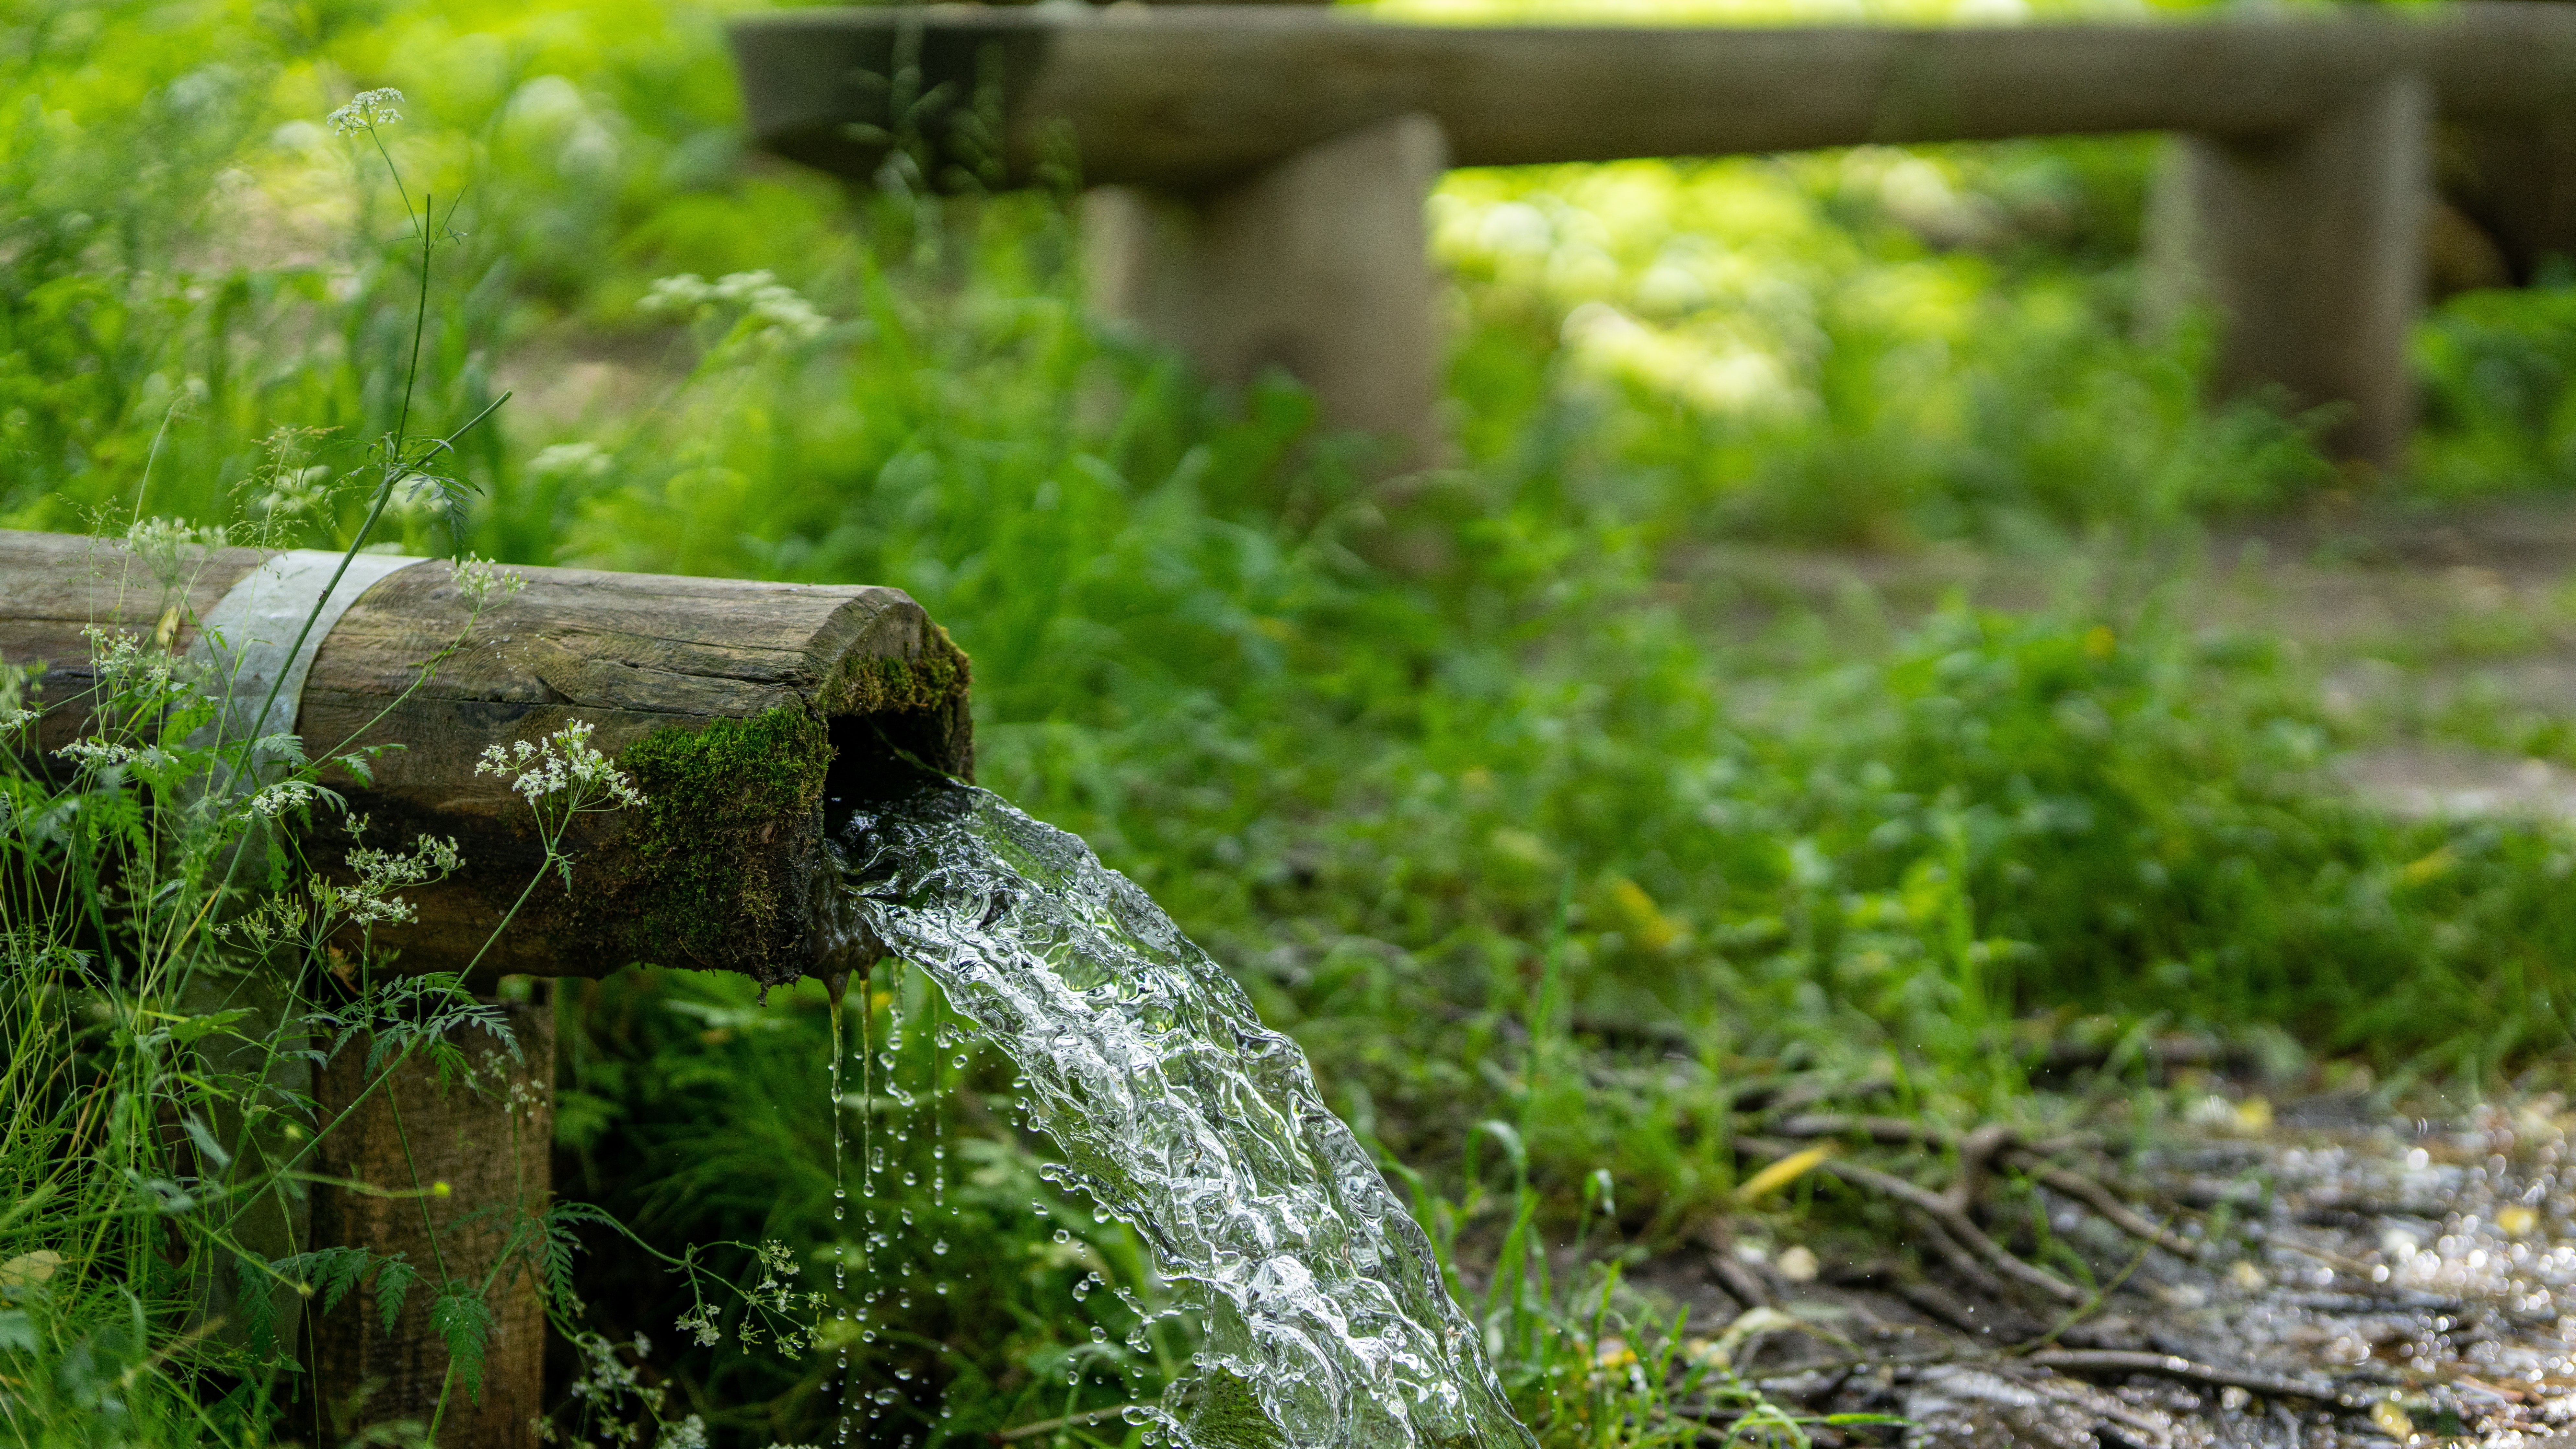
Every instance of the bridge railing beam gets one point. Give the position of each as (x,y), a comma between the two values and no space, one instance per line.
(2307,158)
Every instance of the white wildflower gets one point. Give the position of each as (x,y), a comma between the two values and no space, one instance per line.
(97,754)
(281,797)
(768,303)
(11,719)
(688,1433)
(371,900)
(479,579)
(122,663)
(562,771)
(572,460)
(682,293)
(365,111)
(700,1326)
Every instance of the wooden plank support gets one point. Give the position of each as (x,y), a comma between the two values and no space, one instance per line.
(1191,101)
(2310,243)
(743,709)
(1315,264)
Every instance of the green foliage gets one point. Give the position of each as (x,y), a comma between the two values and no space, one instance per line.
(1543,850)
(463,1324)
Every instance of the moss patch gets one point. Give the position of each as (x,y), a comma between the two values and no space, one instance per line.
(721,801)
(888,685)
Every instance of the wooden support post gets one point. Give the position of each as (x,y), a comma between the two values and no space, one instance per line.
(2309,243)
(1315,264)
(434,1153)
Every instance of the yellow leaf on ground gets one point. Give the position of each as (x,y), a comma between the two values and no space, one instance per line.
(1779,1175)
(29,1268)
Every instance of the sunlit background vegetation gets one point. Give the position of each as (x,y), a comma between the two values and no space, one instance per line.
(1387,748)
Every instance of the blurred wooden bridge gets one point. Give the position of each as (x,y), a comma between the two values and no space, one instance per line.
(1262,169)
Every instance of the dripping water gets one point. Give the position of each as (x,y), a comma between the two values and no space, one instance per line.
(1326,1324)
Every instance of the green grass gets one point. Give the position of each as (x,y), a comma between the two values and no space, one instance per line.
(1504,818)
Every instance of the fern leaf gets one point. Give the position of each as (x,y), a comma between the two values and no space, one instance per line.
(258,1303)
(337,1273)
(393,1281)
(462,1323)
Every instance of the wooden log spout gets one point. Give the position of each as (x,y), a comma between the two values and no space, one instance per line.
(741,709)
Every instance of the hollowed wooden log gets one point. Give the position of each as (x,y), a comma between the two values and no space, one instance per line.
(739,707)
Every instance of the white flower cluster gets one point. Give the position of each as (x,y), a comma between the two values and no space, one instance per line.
(479,579)
(562,764)
(281,797)
(689,1433)
(371,900)
(122,663)
(699,1323)
(97,754)
(570,460)
(763,298)
(168,543)
(777,1264)
(365,111)
(280,917)
(604,1387)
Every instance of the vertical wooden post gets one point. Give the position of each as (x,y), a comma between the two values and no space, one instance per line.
(490,1145)
(1316,264)
(2309,242)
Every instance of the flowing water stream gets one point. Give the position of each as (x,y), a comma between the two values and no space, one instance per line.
(1325,1319)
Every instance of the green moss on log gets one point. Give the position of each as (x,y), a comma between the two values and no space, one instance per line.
(718,800)
(887,685)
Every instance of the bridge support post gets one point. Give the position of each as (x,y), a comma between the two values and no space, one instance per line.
(2309,243)
(1315,264)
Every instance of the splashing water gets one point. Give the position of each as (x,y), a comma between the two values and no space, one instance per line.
(1326,1323)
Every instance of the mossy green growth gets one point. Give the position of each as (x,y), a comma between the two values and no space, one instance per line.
(886,684)
(716,801)
(1220,1408)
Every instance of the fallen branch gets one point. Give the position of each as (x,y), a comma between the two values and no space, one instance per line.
(2101,1199)
(2174,1366)
(1949,1212)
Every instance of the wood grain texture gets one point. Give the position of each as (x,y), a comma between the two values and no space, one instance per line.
(1185,96)
(489,1144)
(861,671)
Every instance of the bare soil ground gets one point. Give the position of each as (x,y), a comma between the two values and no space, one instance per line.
(2332,1272)
(2329,1276)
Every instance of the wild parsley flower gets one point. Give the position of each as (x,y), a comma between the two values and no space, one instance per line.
(365,111)
(562,771)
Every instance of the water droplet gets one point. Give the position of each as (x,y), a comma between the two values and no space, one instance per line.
(1062,1236)
(940,1247)
(959,1061)
(1099,1334)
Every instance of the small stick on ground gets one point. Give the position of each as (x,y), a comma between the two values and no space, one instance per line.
(2100,1198)
(2174,1366)
(1950,1214)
